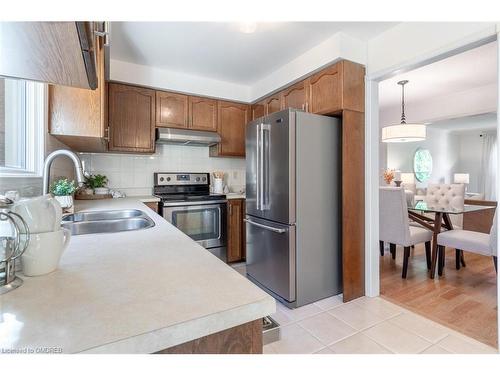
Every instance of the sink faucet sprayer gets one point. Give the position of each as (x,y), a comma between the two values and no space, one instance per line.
(48,162)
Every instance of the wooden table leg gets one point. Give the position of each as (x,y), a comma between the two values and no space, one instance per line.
(437,229)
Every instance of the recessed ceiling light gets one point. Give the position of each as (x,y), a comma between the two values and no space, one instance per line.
(248,27)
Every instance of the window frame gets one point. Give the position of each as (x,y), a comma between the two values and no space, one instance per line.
(36,98)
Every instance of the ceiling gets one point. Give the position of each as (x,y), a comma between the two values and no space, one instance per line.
(462,72)
(219,50)
(485,121)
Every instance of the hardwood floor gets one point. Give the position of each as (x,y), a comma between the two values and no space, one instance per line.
(463,300)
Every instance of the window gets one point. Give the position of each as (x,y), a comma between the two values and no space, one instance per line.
(22,124)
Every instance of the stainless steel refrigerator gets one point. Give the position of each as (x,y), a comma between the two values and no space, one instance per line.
(293,206)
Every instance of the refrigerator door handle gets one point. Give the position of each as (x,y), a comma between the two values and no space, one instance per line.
(264,172)
(273,229)
(257,175)
(261,167)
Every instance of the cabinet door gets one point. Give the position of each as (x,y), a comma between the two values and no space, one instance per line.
(77,117)
(325,90)
(231,122)
(171,110)
(258,110)
(202,114)
(235,230)
(296,96)
(273,104)
(131,118)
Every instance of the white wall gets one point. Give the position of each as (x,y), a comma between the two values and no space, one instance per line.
(444,148)
(411,42)
(177,81)
(339,46)
(133,174)
(457,104)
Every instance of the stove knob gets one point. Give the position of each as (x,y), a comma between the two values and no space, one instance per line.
(168,178)
(162,179)
(204,179)
(197,179)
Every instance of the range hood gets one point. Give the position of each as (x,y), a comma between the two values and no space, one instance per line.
(186,137)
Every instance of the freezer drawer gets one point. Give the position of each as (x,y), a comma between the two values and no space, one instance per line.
(270,257)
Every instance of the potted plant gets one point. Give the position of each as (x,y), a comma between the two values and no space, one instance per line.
(98,183)
(63,189)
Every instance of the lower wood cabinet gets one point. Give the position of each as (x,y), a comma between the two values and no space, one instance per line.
(131,119)
(236,239)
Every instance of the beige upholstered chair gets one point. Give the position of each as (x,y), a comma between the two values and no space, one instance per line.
(473,242)
(447,196)
(395,228)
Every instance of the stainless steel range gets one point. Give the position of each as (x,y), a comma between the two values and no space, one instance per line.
(186,202)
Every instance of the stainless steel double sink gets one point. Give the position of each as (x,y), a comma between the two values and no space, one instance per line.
(106,221)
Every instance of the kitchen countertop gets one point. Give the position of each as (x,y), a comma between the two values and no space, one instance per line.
(235,196)
(145,198)
(129,292)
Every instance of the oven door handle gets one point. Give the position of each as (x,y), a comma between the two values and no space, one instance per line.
(198,203)
(273,229)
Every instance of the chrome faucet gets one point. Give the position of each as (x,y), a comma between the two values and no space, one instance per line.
(48,162)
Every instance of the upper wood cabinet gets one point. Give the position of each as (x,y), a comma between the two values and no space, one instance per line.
(325,90)
(131,119)
(59,53)
(258,110)
(336,88)
(78,117)
(273,103)
(171,110)
(231,123)
(202,113)
(296,96)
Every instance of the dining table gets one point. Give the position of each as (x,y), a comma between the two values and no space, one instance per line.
(436,219)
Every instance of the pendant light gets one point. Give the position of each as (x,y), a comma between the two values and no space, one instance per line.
(403,132)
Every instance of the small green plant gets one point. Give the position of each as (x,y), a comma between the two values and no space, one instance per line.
(96,181)
(62,186)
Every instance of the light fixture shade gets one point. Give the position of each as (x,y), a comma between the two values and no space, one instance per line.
(461,178)
(408,178)
(404,133)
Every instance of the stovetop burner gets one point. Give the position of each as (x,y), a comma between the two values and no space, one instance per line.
(184,187)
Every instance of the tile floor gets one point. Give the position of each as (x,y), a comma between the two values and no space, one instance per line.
(363,326)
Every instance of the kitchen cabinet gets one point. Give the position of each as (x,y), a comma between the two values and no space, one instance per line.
(273,103)
(258,110)
(59,53)
(202,114)
(171,110)
(231,122)
(336,88)
(131,119)
(296,96)
(78,117)
(236,230)
(152,205)
(325,91)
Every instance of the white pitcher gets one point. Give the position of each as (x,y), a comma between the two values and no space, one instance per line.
(42,214)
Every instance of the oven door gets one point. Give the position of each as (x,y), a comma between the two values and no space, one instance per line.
(204,222)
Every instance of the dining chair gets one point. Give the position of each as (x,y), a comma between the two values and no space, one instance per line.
(449,196)
(470,241)
(395,228)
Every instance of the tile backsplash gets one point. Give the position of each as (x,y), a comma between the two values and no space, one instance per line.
(133,174)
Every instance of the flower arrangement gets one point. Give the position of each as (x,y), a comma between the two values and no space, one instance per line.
(388,176)
(63,187)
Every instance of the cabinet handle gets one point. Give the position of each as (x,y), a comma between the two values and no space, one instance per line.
(307,107)
(106,134)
